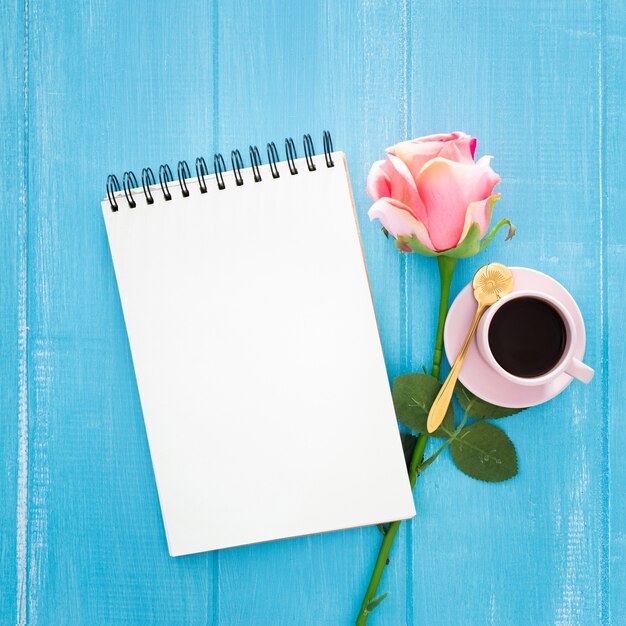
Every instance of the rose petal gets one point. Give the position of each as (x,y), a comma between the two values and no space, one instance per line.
(442,137)
(415,155)
(456,146)
(479,213)
(403,187)
(447,188)
(485,161)
(378,182)
(398,220)
(461,150)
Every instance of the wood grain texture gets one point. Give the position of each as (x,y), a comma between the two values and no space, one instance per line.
(94,88)
(12,316)
(613,180)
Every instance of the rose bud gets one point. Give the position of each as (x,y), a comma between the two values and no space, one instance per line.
(433,198)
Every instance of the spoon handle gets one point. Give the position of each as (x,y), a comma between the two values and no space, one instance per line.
(442,401)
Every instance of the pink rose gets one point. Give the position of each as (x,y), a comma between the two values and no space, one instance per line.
(432,197)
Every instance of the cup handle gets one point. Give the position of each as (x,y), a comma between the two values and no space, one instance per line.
(577,369)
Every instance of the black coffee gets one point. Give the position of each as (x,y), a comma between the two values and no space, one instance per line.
(527,337)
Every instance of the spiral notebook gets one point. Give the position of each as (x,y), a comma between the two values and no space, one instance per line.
(255,348)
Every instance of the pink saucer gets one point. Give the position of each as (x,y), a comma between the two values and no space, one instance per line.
(477,375)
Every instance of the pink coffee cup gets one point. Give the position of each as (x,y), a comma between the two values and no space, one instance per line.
(567,363)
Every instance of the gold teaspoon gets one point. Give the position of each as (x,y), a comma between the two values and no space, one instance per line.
(491,282)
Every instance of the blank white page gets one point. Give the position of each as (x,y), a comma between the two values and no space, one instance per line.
(257,356)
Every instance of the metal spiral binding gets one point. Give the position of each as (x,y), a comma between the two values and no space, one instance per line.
(113,185)
(255,161)
(130,184)
(129,181)
(147,179)
(290,150)
(201,172)
(328,149)
(183,174)
(237,163)
(309,152)
(165,176)
(219,168)
(272,159)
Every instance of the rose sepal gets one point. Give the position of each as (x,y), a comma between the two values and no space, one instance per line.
(468,246)
(504,221)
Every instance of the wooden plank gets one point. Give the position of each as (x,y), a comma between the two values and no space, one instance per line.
(112,86)
(523,78)
(613,84)
(285,69)
(13,440)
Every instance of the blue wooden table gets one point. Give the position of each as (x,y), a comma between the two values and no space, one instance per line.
(97,87)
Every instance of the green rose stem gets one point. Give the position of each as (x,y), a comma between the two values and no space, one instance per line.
(446,269)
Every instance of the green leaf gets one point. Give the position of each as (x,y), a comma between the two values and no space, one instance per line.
(481,409)
(375,602)
(408,445)
(484,452)
(413,395)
